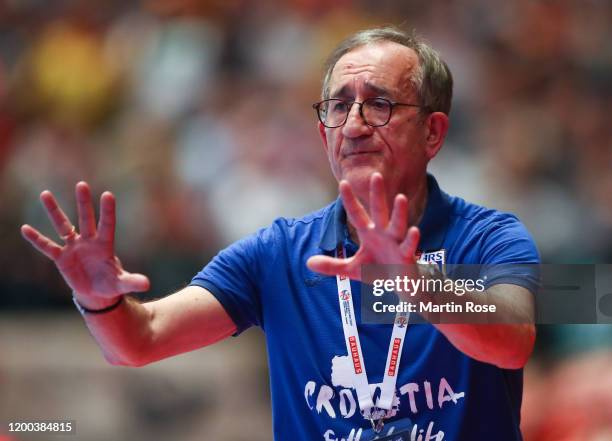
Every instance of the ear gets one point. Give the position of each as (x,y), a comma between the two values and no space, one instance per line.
(437,128)
(323,136)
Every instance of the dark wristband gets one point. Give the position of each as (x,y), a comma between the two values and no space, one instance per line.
(84,310)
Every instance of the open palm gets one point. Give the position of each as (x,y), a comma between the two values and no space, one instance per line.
(383,238)
(87,259)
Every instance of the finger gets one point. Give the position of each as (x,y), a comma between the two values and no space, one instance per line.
(58,218)
(379,210)
(87,221)
(41,242)
(331,266)
(133,282)
(106,224)
(409,245)
(357,215)
(399,217)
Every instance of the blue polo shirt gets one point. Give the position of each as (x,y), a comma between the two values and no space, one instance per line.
(263,280)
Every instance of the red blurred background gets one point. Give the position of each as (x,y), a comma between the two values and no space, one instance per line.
(197,115)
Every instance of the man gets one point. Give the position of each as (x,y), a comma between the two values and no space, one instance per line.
(384,116)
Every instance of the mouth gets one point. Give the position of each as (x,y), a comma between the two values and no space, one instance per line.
(359,153)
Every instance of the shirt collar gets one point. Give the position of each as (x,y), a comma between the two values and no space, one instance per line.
(436,218)
(333,231)
(433,225)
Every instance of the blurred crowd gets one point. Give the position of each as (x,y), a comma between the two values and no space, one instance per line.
(196,114)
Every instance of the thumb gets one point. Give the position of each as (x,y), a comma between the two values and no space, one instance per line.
(330,266)
(133,282)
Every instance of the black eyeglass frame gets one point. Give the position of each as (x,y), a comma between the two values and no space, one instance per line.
(349,105)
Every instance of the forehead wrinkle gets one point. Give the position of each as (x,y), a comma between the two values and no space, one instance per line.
(383,75)
(344,69)
(368,76)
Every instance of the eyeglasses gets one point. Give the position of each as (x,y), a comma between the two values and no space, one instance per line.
(375,112)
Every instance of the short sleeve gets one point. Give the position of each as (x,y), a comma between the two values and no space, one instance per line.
(509,255)
(235,277)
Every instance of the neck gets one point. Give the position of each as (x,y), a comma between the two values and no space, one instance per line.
(417,201)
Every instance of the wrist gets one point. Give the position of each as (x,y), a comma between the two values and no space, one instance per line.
(95,305)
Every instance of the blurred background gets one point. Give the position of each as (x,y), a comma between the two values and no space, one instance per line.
(196,114)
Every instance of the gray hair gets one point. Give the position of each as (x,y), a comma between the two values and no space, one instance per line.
(432,79)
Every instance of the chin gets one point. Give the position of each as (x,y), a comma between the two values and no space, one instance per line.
(359,176)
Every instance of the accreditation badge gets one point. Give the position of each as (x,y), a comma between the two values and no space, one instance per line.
(404,429)
(400,436)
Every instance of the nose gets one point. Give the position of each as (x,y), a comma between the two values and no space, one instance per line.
(355,126)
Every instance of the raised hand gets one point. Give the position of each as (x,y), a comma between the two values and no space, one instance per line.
(87,259)
(383,238)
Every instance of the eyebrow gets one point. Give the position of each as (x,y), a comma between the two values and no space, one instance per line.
(380,91)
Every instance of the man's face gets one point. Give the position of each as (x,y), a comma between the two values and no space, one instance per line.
(397,150)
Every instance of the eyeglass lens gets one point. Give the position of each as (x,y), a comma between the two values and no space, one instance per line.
(375,111)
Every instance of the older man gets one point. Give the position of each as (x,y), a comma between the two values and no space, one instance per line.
(383,117)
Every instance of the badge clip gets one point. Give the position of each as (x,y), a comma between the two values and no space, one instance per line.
(377,425)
